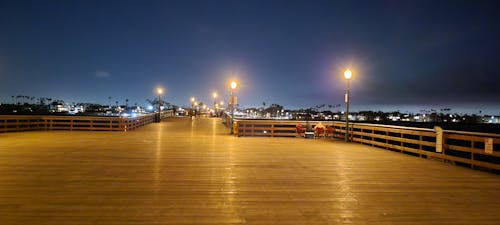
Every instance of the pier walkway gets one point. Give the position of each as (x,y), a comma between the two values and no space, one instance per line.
(185,171)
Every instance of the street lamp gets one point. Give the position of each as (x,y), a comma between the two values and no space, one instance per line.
(347,76)
(233,86)
(192,106)
(215,102)
(159,91)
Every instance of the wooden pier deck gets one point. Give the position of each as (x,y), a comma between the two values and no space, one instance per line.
(186,171)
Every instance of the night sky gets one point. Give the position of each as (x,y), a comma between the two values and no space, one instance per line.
(404,55)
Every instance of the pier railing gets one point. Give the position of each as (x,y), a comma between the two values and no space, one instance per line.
(481,150)
(17,123)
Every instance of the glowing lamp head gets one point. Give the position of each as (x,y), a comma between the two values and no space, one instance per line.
(221,103)
(160,91)
(214,95)
(233,85)
(348,74)
(192,99)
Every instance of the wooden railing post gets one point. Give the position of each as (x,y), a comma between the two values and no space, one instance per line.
(373,135)
(386,139)
(420,137)
(472,152)
(439,139)
(401,141)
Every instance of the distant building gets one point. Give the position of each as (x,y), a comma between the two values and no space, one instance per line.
(75,109)
(58,107)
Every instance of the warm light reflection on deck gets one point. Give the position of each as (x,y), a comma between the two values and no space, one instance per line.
(190,171)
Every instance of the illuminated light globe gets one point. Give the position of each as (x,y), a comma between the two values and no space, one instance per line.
(347,74)
(233,85)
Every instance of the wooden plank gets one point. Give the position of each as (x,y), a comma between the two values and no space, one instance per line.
(192,172)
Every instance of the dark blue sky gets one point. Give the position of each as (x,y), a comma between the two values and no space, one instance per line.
(404,55)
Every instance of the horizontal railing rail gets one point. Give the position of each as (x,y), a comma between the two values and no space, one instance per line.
(10,123)
(472,148)
(476,150)
(271,128)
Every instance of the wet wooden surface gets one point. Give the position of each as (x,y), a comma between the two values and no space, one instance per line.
(191,172)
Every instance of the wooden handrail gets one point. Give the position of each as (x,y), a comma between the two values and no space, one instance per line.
(13,123)
(459,147)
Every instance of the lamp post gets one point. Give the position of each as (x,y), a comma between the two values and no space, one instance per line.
(347,76)
(233,86)
(192,106)
(215,102)
(159,91)
(192,101)
(195,108)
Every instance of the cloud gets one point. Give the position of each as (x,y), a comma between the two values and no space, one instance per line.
(102,74)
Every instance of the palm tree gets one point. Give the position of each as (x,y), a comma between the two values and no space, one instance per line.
(126,102)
